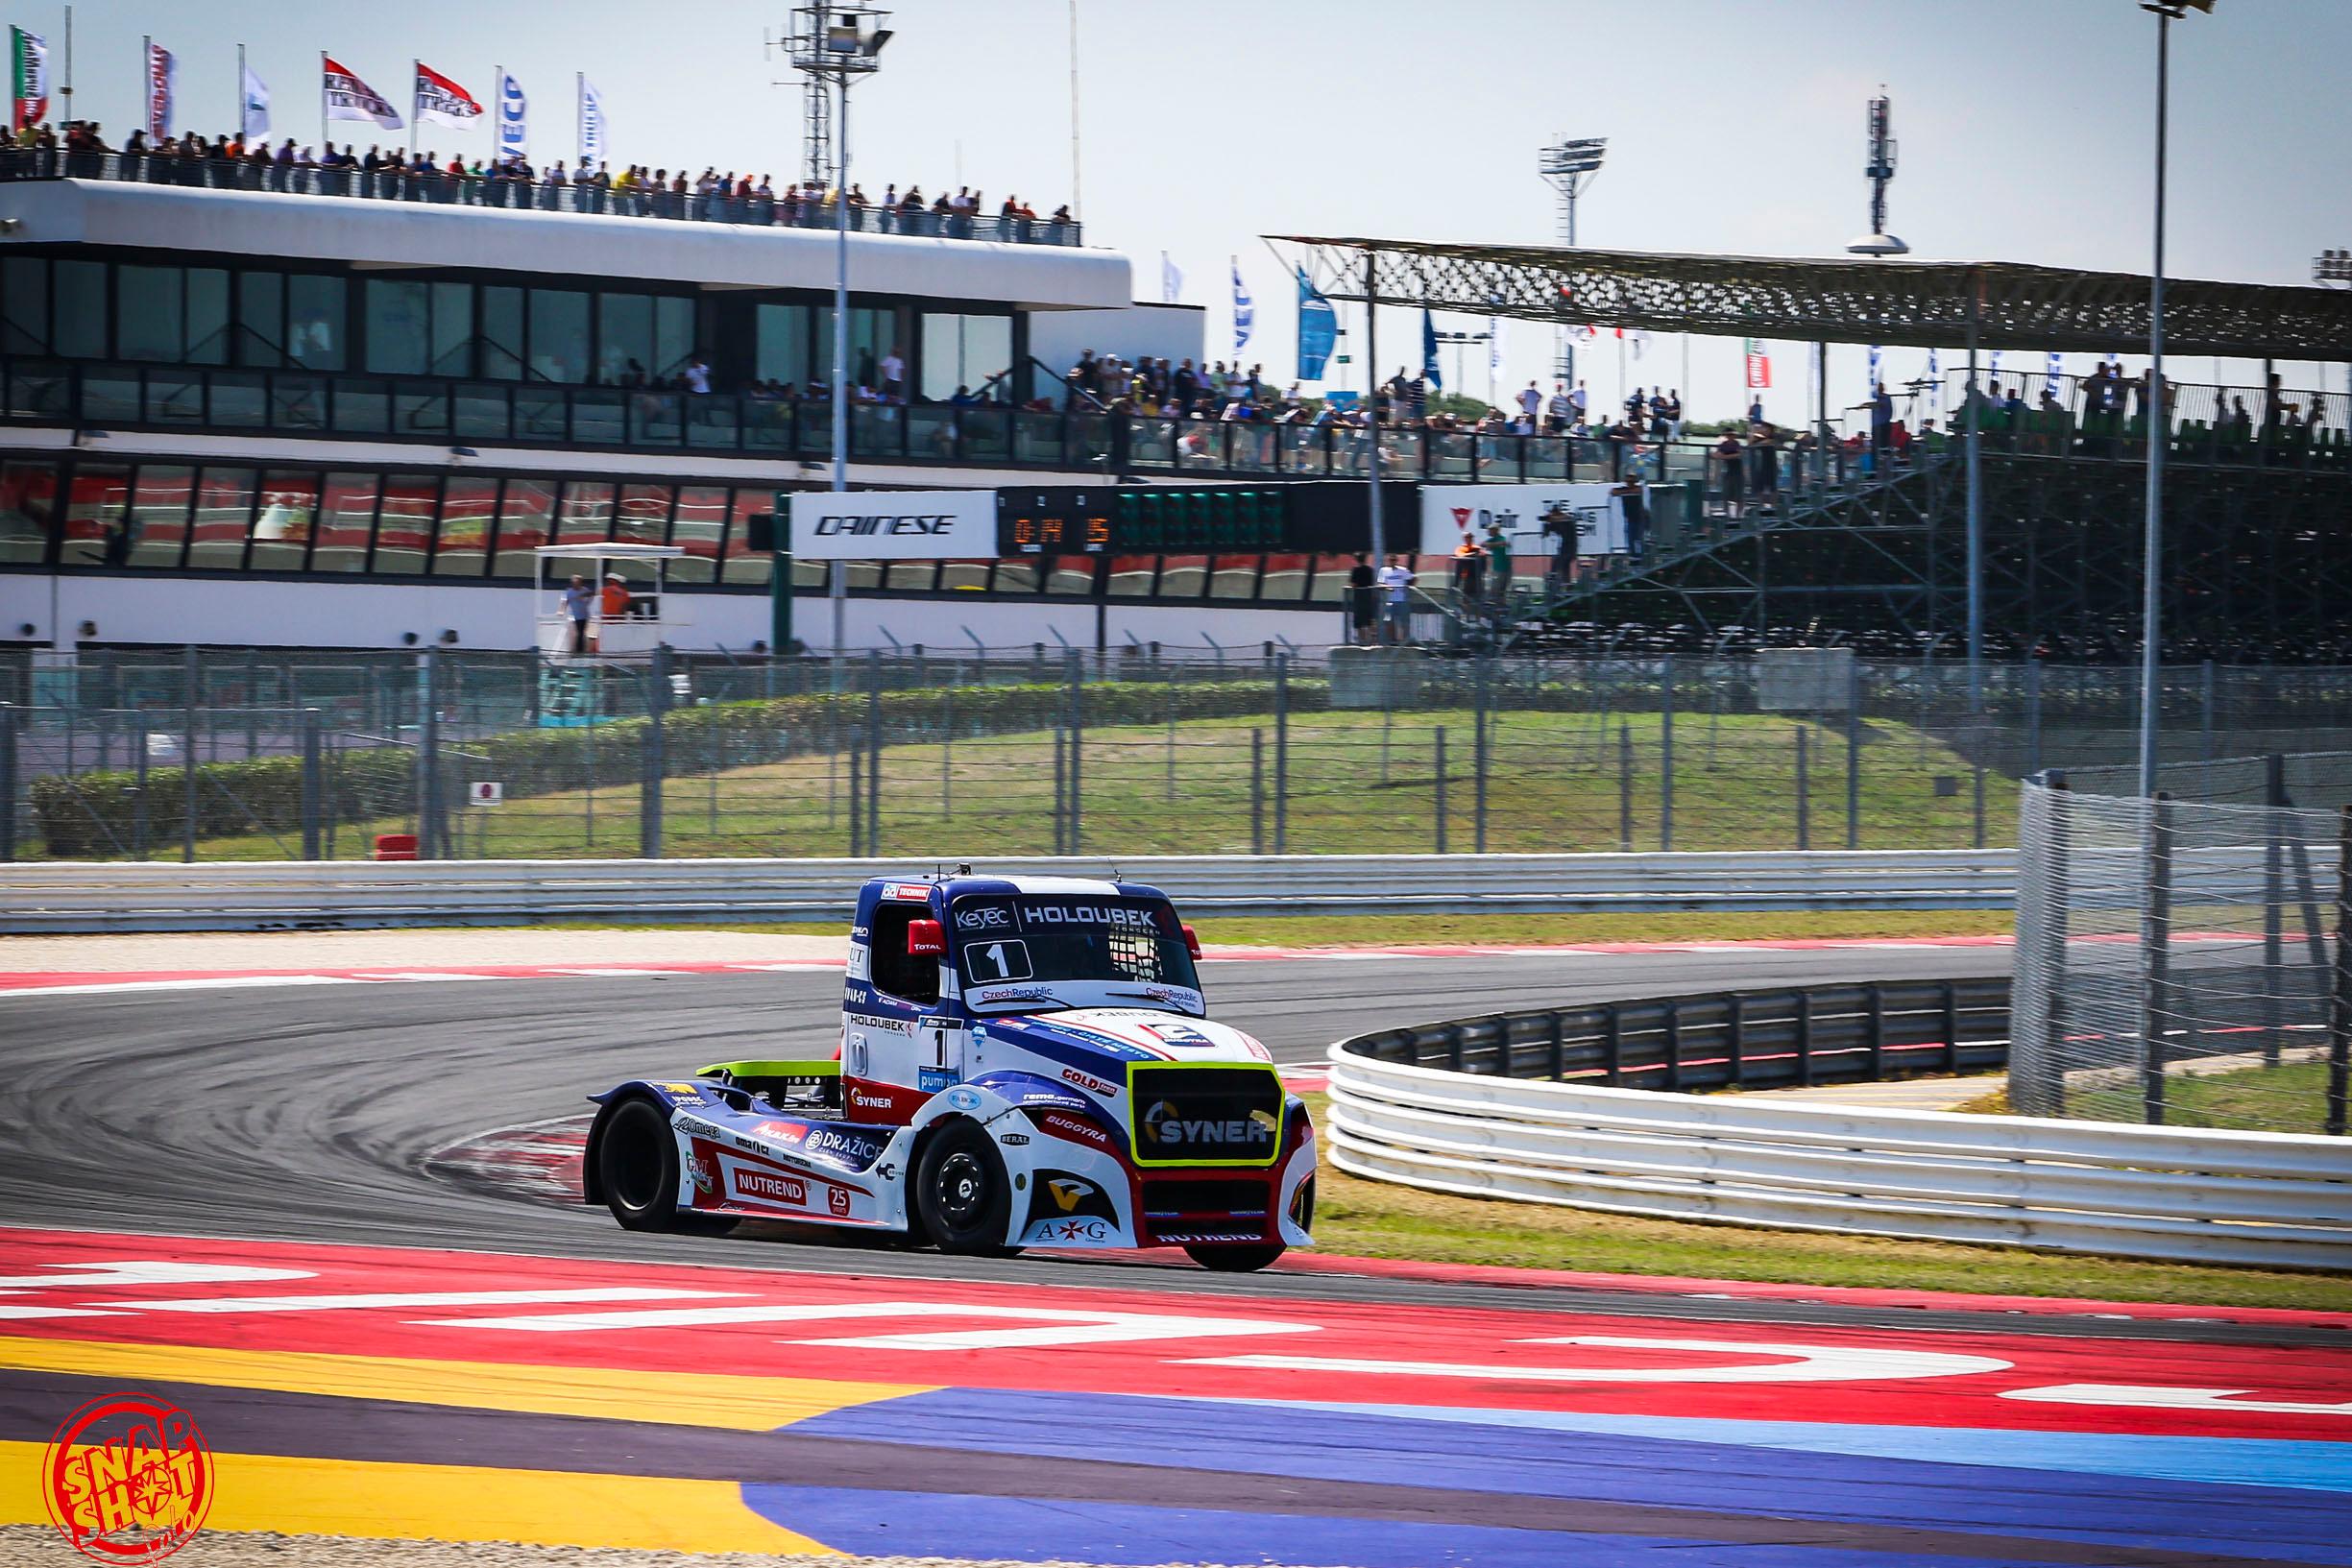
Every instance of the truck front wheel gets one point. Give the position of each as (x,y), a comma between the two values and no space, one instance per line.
(962,1194)
(1228,1259)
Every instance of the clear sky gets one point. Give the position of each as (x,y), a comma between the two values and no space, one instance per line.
(1734,126)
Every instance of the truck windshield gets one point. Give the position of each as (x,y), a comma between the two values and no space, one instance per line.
(1074,950)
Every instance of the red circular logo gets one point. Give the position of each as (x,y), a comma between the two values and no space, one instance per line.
(128,1479)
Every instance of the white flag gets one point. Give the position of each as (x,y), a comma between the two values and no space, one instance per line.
(1171,280)
(592,124)
(514,129)
(253,106)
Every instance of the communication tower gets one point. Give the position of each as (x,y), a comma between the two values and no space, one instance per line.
(1881,173)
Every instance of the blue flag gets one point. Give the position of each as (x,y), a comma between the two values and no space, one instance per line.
(1244,313)
(1319,328)
(1429,352)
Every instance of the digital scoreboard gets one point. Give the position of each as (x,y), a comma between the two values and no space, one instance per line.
(1312,517)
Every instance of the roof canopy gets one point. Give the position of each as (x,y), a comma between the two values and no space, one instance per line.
(1839,300)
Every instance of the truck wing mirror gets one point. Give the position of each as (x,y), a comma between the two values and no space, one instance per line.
(925,939)
(1192,941)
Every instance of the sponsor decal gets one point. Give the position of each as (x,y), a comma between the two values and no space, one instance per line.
(766,1187)
(881,1023)
(1088,1081)
(698,1170)
(1069,1191)
(1014,992)
(837,1200)
(701,1128)
(908,892)
(860,933)
(839,1148)
(1178,1034)
(860,968)
(983,917)
(1088,914)
(963,1098)
(1016,1139)
(931,1079)
(1073,1128)
(783,1132)
(681,1090)
(1257,1051)
(1074,1230)
(1168,1130)
(862,1099)
(128,1479)
(1210,1235)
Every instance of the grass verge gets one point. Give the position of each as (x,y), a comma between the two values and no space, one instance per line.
(1378,1219)
(2288,1099)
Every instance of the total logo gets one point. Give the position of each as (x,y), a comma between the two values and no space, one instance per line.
(1088,1081)
(771,1189)
(1163,1126)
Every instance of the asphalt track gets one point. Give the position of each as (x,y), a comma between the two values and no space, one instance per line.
(1295,1418)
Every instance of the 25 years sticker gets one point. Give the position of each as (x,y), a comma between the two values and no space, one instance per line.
(128,1479)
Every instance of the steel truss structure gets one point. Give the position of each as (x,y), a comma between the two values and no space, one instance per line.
(2259,566)
(1837,299)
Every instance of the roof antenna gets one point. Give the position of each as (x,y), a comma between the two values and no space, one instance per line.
(963,868)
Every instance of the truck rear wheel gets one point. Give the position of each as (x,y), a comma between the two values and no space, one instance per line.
(637,1167)
(1229,1258)
(961,1192)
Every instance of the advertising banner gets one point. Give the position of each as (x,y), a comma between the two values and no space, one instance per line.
(28,78)
(514,119)
(1453,513)
(894,525)
(1759,365)
(162,88)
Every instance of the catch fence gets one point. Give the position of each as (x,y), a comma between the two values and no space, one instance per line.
(2183,961)
(933,753)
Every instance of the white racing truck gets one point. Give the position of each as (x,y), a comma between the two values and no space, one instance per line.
(1025,1062)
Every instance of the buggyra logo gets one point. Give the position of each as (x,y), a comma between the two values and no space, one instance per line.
(1162,1124)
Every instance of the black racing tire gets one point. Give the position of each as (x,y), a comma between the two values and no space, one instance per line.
(1227,1258)
(637,1169)
(962,1194)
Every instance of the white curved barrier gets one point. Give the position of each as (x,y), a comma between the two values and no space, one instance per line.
(93,896)
(2164,1193)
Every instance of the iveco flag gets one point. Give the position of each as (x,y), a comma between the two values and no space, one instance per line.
(894,525)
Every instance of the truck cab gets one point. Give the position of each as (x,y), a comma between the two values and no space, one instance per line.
(1025,1062)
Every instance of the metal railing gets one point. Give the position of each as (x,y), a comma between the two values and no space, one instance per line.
(1772,1039)
(2268,1199)
(263,895)
(438,188)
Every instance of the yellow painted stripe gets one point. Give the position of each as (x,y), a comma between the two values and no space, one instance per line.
(452,1503)
(672,1398)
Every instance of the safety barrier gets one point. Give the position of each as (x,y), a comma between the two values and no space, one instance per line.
(73,896)
(2200,1195)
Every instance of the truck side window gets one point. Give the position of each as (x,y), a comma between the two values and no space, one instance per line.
(909,979)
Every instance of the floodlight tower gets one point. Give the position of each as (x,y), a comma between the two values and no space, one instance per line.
(1568,166)
(1881,173)
(834,45)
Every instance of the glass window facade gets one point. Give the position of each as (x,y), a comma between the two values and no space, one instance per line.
(472,525)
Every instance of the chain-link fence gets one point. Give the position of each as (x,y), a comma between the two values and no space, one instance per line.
(1140,750)
(2185,962)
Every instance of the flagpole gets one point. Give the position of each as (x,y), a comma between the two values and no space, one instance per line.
(579,115)
(240,90)
(147,81)
(322,97)
(416,94)
(67,92)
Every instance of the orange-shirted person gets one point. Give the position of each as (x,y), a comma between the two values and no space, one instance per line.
(615,597)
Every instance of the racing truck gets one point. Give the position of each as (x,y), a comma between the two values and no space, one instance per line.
(1024,1062)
